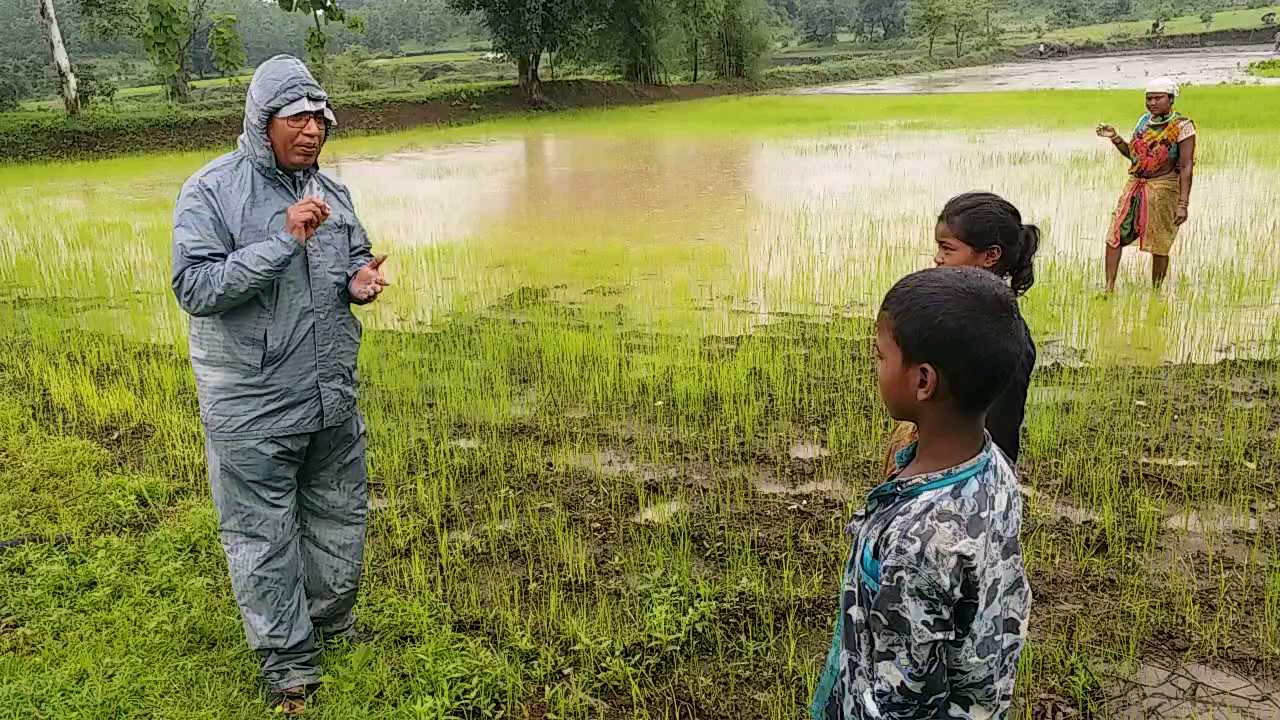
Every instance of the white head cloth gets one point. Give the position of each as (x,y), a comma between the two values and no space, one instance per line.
(307,105)
(1163,86)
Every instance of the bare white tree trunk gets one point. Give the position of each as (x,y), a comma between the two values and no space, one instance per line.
(61,63)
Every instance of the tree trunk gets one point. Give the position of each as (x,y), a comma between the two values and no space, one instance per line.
(61,62)
(932,39)
(179,88)
(959,42)
(695,58)
(530,83)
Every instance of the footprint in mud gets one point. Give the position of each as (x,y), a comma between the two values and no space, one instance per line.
(807,451)
(1052,394)
(1193,692)
(1214,532)
(660,513)
(1213,520)
(1054,352)
(1041,504)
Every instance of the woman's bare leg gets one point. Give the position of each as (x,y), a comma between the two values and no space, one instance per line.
(1113,266)
(1159,270)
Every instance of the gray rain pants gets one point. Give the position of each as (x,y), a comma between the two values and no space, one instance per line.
(291,514)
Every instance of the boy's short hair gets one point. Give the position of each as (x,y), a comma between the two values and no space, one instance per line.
(964,322)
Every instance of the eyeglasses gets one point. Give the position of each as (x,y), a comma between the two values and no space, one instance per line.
(298,122)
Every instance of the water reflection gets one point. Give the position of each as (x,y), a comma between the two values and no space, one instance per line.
(732,233)
(719,235)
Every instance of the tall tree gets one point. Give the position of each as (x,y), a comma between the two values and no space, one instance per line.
(1111,10)
(822,20)
(167,29)
(928,19)
(322,13)
(743,39)
(888,18)
(698,18)
(167,33)
(1068,13)
(226,46)
(525,29)
(61,61)
(966,19)
(637,30)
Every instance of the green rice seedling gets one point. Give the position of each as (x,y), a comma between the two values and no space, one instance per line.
(621,404)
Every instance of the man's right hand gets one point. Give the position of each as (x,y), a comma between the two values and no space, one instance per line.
(303,217)
(1107,131)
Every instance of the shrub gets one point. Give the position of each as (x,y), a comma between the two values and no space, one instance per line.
(92,86)
(1265,68)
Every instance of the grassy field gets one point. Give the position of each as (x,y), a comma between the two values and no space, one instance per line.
(449,57)
(621,404)
(147,90)
(1242,19)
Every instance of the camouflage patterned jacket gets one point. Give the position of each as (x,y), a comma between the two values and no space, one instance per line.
(934,600)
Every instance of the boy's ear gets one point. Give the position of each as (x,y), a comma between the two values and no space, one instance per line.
(926,382)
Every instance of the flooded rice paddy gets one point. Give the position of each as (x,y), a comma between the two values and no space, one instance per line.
(621,403)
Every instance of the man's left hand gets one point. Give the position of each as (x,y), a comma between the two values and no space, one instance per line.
(1181,216)
(368,282)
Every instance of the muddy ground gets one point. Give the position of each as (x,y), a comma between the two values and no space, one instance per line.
(1151,593)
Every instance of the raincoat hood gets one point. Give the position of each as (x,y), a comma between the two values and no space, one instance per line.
(276,83)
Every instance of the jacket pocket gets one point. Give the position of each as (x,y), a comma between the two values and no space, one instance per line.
(332,247)
(235,339)
(272,342)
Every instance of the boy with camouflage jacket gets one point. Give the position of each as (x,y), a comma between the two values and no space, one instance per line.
(934,600)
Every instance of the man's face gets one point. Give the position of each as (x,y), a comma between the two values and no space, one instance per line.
(1159,103)
(297,140)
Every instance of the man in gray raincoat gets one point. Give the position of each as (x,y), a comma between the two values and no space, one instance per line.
(268,257)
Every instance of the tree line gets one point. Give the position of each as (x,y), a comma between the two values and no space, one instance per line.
(644,40)
(649,41)
(173,41)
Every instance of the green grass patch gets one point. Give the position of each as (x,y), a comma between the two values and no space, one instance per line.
(431,58)
(1241,19)
(1265,68)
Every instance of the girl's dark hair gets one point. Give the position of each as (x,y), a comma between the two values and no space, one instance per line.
(985,220)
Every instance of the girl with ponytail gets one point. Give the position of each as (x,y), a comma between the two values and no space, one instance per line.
(986,231)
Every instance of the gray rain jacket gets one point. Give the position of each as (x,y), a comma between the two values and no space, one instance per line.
(273,339)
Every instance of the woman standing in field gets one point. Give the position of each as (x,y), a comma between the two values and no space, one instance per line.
(1155,201)
(985,231)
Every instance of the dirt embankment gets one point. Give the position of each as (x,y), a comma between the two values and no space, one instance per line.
(52,137)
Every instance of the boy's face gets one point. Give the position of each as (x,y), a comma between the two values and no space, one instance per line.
(903,386)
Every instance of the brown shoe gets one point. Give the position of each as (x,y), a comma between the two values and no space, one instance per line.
(290,702)
(353,637)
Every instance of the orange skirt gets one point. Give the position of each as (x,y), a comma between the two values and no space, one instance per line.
(1147,212)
